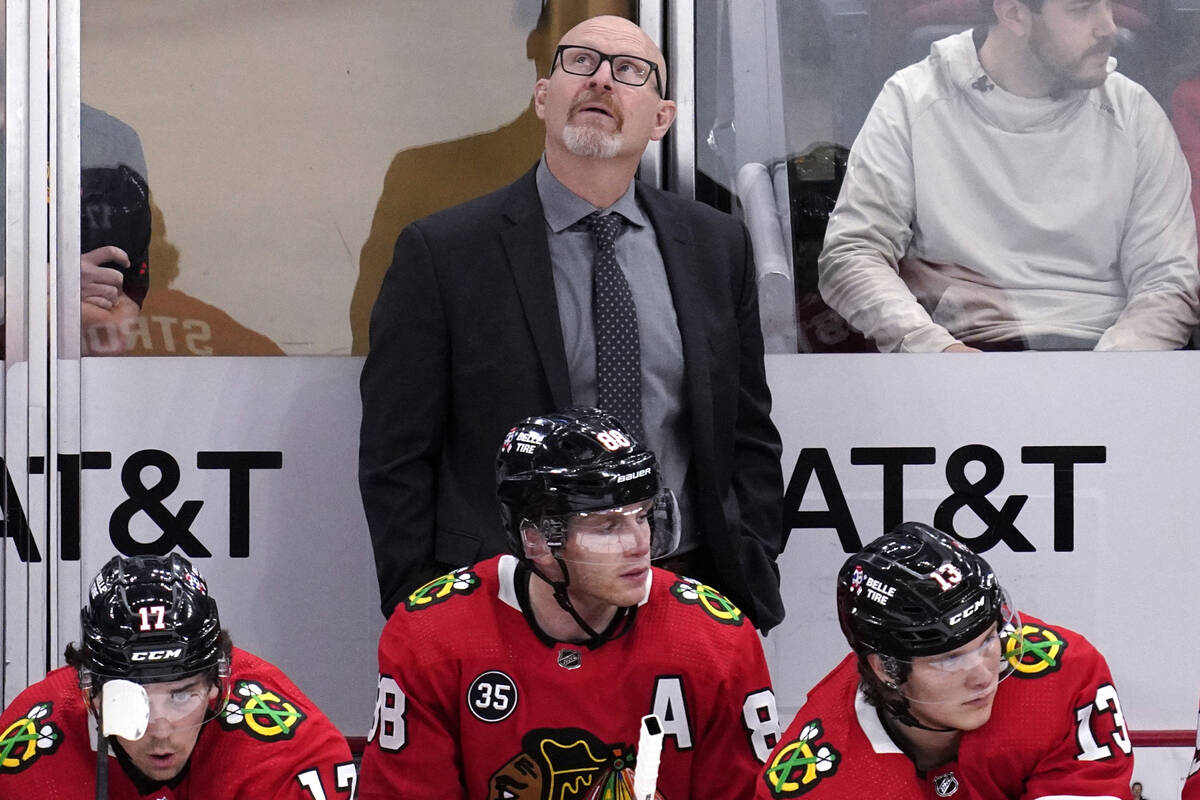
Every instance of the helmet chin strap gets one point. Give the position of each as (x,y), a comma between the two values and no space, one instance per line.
(898,709)
(564,601)
(896,704)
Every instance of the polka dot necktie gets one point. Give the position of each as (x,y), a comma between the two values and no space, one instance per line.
(615,328)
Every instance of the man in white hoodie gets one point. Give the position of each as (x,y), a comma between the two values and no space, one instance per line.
(1011,191)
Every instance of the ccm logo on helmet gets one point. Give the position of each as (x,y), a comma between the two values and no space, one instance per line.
(968,611)
(170,654)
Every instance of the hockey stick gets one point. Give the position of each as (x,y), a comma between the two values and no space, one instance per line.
(101,763)
(649,751)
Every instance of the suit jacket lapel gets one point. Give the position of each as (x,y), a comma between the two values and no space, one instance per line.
(682,260)
(529,260)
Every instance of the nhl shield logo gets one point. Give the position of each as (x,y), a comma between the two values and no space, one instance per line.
(945,785)
(570,658)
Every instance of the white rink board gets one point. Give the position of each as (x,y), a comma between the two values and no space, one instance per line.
(306,597)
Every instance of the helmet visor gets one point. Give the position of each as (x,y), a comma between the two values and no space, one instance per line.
(964,674)
(600,537)
(131,709)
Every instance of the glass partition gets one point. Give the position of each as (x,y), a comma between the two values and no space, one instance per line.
(954,228)
(271,153)
(284,147)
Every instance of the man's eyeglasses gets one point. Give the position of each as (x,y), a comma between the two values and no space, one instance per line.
(629,70)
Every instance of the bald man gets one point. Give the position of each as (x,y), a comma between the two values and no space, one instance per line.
(485,317)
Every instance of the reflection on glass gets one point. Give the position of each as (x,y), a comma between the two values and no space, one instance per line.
(1008,193)
(114,231)
(425,179)
(284,172)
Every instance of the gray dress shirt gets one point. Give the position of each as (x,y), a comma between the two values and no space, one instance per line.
(571,254)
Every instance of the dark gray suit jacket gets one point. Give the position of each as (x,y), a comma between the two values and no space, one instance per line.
(465,341)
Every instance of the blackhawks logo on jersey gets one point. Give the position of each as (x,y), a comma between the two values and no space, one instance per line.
(566,764)
(1034,651)
(28,739)
(801,764)
(460,582)
(261,712)
(717,605)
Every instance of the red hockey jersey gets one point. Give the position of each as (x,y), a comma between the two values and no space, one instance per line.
(270,742)
(1191,786)
(1056,730)
(472,703)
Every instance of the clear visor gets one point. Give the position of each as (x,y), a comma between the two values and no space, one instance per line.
(967,673)
(129,709)
(649,528)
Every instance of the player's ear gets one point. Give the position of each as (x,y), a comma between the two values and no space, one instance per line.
(1013,15)
(884,671)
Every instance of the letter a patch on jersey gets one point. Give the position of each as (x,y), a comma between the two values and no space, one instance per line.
(261,712)
(802,764)
(28,739)
(1034,651)
(715,604)
(460,582)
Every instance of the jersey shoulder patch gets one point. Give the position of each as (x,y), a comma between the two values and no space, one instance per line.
(1034,650)
(459,583)
(716,605)
(261,711)
(798,766)
(29,738)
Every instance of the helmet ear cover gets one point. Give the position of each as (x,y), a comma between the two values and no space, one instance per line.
(542,538)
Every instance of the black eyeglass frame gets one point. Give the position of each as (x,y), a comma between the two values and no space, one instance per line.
(609,58)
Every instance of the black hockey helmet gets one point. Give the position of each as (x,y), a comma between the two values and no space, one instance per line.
(114,207)
(150,619)
(916,591)
(576,461)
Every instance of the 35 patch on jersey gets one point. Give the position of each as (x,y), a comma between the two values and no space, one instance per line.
(715,604)
(1034,651)
(28,739)
(261,712)
(801,764)
(460,582)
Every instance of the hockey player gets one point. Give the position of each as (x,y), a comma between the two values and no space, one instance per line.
(526,675)
(186,715)
(949,693)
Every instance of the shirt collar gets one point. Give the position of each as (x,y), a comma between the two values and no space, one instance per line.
(563,208)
